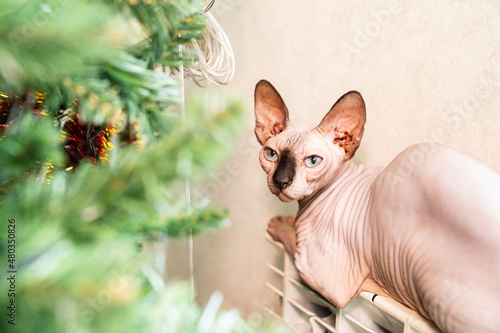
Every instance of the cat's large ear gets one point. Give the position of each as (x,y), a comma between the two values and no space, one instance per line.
(271,114)
(345,122)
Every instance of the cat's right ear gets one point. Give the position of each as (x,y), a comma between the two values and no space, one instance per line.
(271,114)
(345,122)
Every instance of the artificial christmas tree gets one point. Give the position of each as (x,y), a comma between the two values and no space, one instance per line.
(93,159)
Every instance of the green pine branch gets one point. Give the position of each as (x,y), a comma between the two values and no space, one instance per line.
(134,191)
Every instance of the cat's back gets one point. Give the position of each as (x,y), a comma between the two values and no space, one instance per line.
(439,170)
(444,206)
(439,184)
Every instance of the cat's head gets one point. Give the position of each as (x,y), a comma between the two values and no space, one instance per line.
(299,160)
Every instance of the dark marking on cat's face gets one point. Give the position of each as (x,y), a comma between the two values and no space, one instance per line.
(285,172)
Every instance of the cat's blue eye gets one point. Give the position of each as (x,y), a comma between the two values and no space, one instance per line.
(270,155)
(313,161)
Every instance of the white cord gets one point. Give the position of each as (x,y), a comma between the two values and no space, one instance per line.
(181,93)
(188,189)
(215,63)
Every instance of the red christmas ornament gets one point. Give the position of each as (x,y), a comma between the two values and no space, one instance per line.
(86,141)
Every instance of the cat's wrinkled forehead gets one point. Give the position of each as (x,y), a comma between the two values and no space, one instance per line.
(294,136)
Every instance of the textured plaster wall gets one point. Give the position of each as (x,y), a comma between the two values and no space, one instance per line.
(428,70)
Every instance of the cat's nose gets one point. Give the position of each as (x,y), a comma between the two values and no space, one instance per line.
(282,180)
(285,171)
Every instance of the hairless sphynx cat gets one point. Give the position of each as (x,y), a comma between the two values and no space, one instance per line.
(425,230)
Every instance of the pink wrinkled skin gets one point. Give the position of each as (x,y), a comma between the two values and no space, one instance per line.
(425,230)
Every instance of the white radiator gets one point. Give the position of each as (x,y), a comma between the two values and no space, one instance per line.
(304,310)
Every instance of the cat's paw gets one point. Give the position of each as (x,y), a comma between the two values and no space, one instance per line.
(280,227)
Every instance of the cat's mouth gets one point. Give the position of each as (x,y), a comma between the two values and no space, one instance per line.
(283,197)
(280,193)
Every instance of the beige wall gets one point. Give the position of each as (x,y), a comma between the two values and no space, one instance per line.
(428,70)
